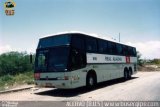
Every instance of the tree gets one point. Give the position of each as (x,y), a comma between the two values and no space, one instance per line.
(155,61)
(139,60)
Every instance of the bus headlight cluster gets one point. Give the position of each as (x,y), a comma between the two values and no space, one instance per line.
(68,78)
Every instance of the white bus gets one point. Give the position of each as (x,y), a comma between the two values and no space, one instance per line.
(72,60)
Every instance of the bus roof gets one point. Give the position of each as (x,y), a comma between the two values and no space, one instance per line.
(85,34)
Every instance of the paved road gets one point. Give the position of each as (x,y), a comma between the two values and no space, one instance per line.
(144,86)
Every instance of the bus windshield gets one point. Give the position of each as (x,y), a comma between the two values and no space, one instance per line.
(54,41)
(53,59)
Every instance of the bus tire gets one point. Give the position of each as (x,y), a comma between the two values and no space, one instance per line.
(91,81)
(125,75)
(129,73)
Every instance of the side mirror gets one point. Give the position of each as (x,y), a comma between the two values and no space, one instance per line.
(31,59)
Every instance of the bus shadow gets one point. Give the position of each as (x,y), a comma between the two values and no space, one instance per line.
(81,90)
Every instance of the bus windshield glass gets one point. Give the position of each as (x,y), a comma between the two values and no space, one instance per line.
(54,41)
(52,59)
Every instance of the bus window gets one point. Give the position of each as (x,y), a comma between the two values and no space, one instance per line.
(102,46)
(41,59)
(134,52)
(77,42)
(119,49)
(58,58)
(114,49)
(111,48)
(130,51)
(54,41)
(126,51)
(91,45)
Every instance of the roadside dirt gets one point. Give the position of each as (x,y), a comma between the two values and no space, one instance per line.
(147,68)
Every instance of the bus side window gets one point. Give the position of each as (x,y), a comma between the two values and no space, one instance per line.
(125,50)
(102,46)
(114,50)
(110,48)
(91,45)
(134,52)
(130,51)
(119,49)
(77,42)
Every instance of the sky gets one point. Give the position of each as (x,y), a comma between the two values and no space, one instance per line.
(137,21)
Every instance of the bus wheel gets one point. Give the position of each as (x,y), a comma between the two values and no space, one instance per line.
(129,74)
(91,81)
(125,75)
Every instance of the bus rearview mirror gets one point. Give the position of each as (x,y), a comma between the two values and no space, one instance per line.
(31,58)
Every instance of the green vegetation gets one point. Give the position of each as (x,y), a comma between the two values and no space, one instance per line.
(142,62)
(8,81)
(147,64)
(15,68)
(13,63)
(139,60)
(155,61)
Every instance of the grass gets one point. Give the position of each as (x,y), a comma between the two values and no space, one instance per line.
(9,81)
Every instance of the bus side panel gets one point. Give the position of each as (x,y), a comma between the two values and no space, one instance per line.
(108,71)
(77,77)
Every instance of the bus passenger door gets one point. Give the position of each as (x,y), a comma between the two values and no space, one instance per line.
(77,66)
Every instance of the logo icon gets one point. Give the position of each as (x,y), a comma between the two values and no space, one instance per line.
(9,6)
(127,59)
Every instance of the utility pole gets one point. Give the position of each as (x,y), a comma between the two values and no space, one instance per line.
(119,37)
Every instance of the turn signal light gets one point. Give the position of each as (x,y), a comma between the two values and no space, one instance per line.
(37,76)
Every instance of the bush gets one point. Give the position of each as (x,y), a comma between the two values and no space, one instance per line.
(13,63)
(6,80)
(9,81)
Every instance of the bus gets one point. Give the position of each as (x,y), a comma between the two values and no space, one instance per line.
(72,60)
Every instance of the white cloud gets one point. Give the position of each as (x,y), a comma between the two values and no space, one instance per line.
(8,48)
(149,50)
(5,48)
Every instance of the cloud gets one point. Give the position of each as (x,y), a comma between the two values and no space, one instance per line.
(8,48)
(5,48)
(149,49)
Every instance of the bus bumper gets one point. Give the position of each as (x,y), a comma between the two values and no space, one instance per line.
(61,84)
